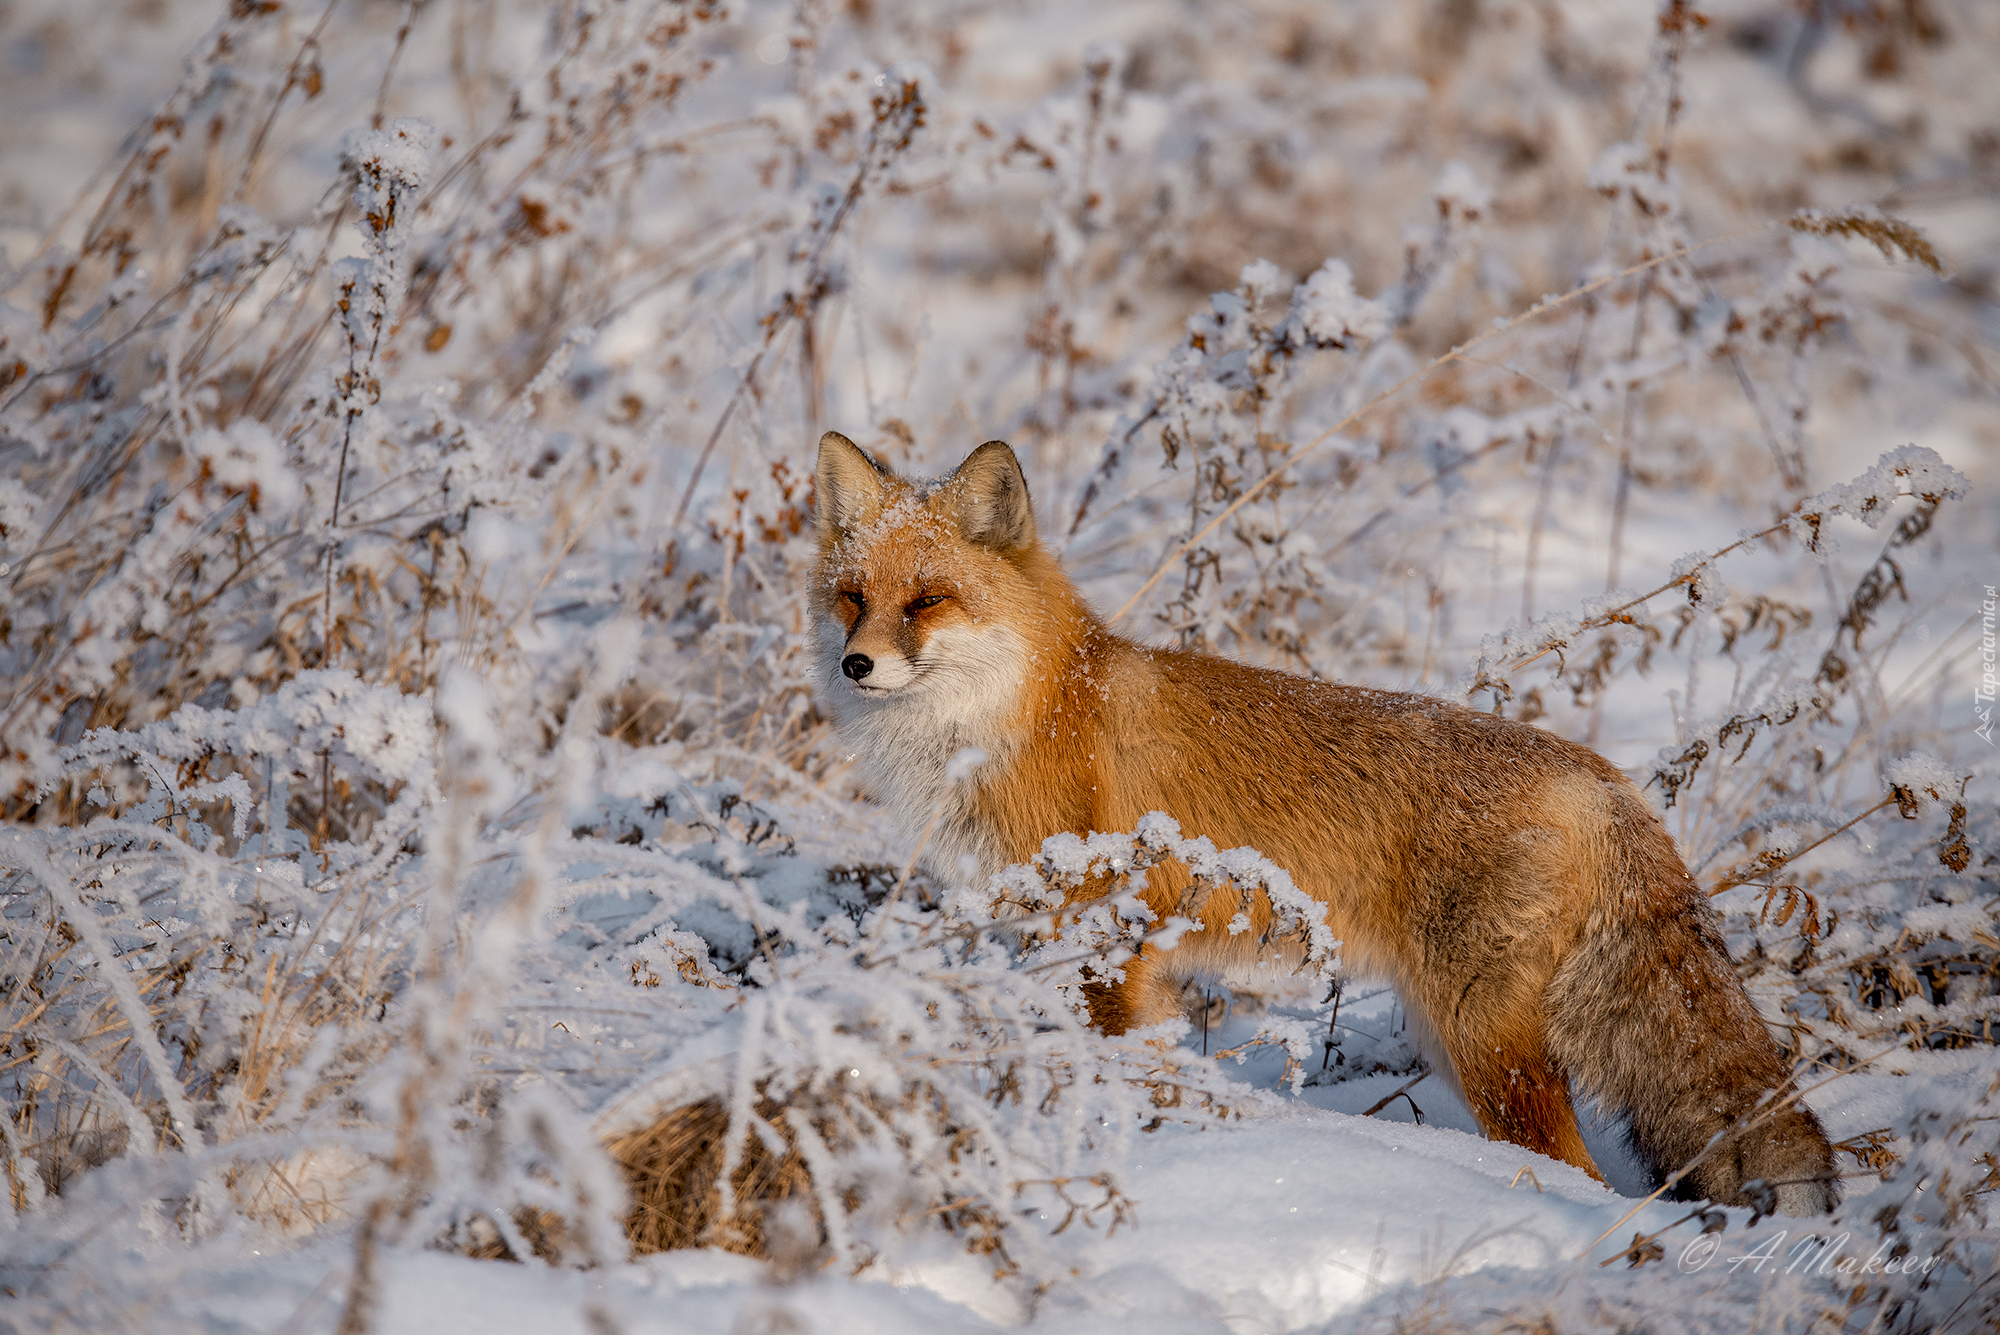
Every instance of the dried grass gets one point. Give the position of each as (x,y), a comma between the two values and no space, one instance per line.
(1892,236)
(673,1170)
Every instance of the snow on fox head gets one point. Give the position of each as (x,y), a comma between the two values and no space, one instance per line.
(921,586)
(936,614)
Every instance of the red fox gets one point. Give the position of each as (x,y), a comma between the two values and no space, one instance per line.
(1514,887)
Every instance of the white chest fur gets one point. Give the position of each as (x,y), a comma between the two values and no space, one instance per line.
(963,691)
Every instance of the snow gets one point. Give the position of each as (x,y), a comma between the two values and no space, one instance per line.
(1924,778)
(1300,1221)
(1908,470)
(1331,313)
(1460,191)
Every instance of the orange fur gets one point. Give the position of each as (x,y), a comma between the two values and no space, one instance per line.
(1515,888)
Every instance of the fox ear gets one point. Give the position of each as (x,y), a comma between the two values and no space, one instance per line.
(992,497)
(852,488)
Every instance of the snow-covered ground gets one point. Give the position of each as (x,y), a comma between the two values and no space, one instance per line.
(1309,1218)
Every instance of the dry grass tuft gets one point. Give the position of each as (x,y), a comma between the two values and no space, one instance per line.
(1891,236)
(673,1169)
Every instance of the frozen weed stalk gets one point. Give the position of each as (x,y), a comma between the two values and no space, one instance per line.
(419,830)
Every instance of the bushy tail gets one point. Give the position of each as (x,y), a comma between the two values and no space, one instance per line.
(1647,1016)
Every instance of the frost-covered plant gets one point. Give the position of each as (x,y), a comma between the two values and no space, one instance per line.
(1934,1216)
(908,1067)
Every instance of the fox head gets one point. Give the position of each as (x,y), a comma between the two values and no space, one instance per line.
(936,590)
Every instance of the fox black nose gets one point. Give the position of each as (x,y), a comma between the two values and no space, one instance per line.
(857,666)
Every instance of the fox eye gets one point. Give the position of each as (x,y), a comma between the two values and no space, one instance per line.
(853,597)
(928,600)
